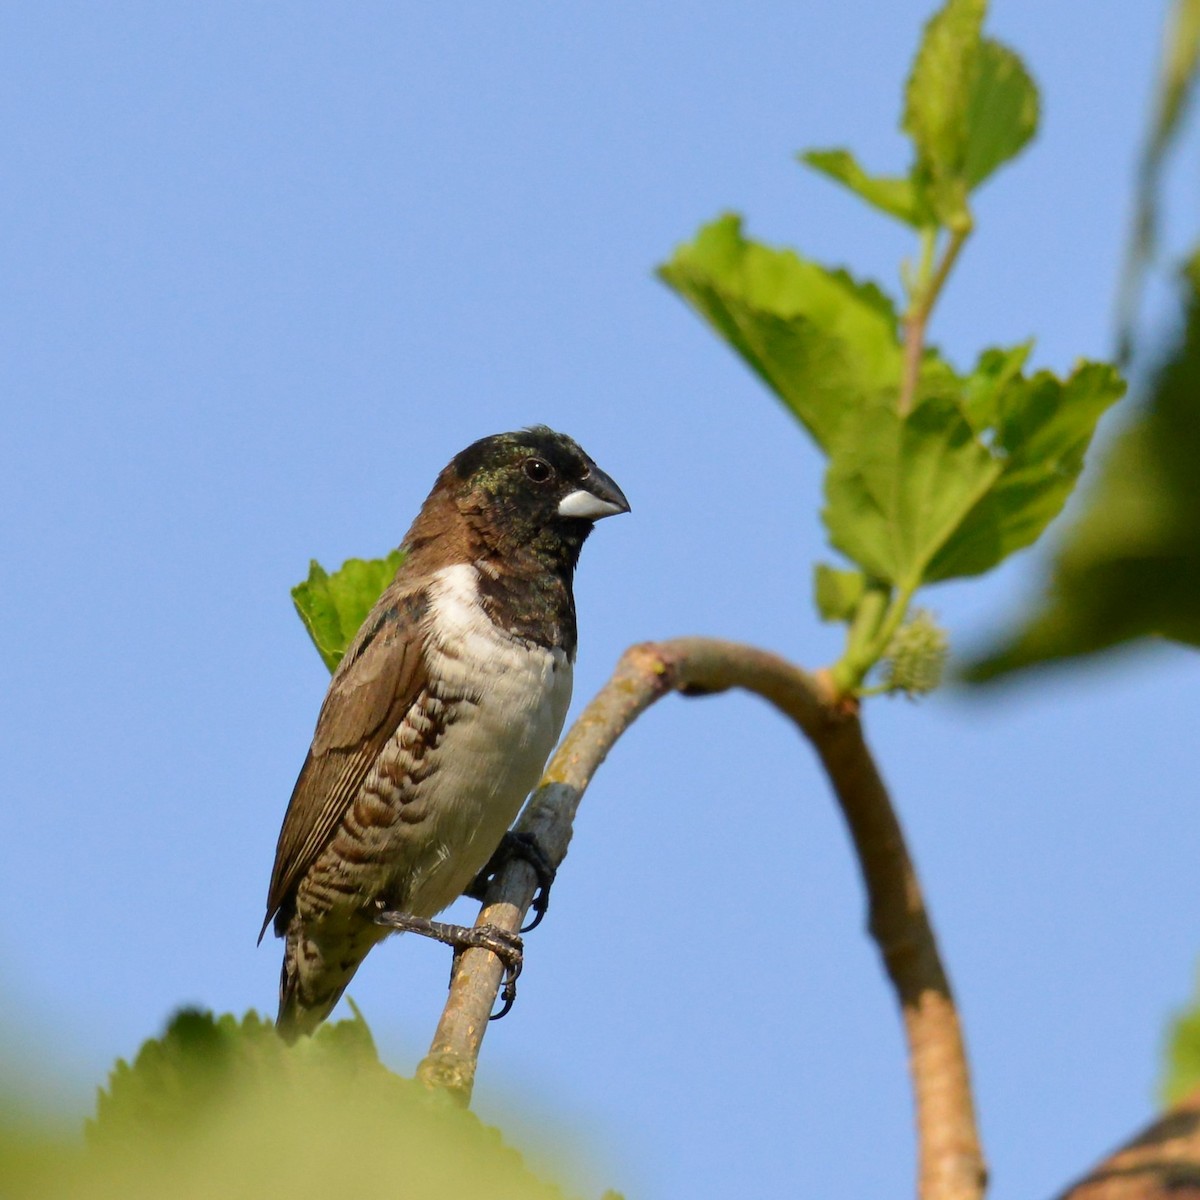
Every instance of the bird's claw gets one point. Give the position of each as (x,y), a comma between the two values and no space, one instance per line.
(525,847)
(507,947)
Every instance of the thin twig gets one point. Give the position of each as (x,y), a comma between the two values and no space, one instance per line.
(950,1159)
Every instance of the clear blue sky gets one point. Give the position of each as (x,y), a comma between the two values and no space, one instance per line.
(266,268)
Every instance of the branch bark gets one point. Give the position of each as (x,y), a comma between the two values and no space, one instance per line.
(950,1157)
(1162,1162)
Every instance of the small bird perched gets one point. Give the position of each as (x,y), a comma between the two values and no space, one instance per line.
(441,715)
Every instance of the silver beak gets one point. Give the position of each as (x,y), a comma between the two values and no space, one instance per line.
(599,498)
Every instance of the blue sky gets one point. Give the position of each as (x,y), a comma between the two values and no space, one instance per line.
(266,269)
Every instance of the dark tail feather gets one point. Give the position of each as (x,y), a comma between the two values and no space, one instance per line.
(299,1015)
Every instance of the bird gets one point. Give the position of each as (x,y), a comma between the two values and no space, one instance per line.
(441,714)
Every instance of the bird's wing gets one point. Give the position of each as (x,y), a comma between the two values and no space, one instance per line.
(375,685)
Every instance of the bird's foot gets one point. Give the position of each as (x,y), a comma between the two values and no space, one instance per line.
(525,847)
(507,947)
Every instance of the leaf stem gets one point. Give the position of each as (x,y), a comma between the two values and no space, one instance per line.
(893,619)
(859,657)
(925,295)
(880,614)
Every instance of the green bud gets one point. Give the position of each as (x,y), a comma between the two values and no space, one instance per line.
(916,656)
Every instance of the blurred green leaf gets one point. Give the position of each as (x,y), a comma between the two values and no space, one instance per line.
(937,101)
(200,1058)
(332,607)
(221,1107)
(970,106)
(818,339)
(1130,567)
(1177,77)
(837,593)
(897,196)
(1002,111)
(1182,1074)
(1176,84)
(983,388)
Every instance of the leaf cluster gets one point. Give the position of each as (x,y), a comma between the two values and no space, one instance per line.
(931,474)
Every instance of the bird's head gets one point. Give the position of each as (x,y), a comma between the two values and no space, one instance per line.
(534,489)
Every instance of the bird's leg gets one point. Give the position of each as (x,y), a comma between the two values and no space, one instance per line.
(507,947)
(522,846)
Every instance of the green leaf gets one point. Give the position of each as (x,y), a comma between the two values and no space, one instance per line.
(199,1059)
(1182,1074)
(983,388)
(937,101)
(1040,432)
(332,607)
(899,486)
(818,339)
(1177,78)
(1130,568)
(837,593)
(957,485)
(1176,85)
(221,1106)
(1002,111)
(897,196)
(970,106)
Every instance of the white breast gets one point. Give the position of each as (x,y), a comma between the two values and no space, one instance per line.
(492,755)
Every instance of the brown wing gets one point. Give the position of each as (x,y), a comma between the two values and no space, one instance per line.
(376,683)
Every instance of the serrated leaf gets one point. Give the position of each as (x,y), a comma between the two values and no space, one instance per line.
(899,486)
(223,1107)
(837,593)
(955,487)
(1130,567)
(937,99)
(818,339)
(332,607)
(895,195)
(200,1058)
(983,388)
(1042,429)
(1002,111)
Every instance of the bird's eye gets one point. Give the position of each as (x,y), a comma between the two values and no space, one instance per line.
(538,469)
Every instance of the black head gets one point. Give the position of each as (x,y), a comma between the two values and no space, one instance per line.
(533,489)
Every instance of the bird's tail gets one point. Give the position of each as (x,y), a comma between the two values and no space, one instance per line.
(312,981)
(296,1017)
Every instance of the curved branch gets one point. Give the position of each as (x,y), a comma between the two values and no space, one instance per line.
(950,1158)
(1161,1162)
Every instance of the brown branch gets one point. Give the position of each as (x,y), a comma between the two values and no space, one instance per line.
(950,1158)
(1160,1163)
